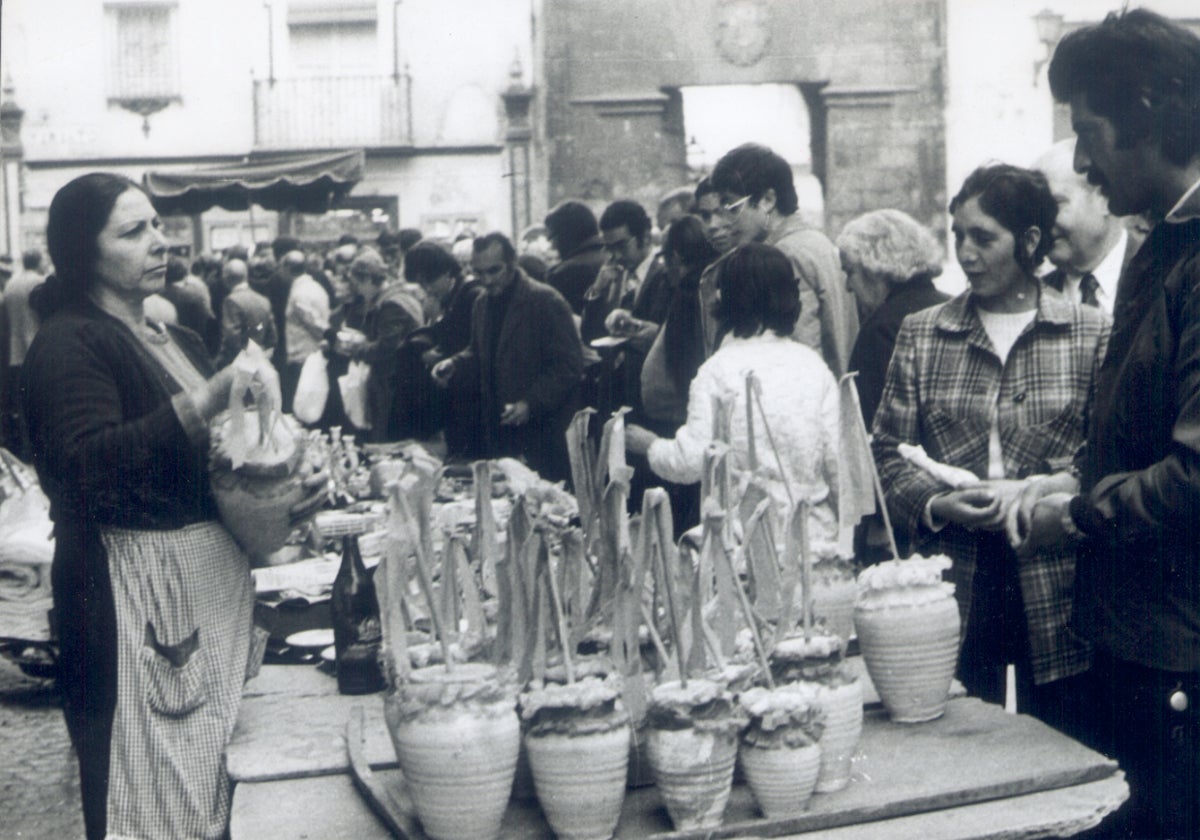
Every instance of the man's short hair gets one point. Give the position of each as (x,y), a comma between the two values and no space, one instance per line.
(569,225)
(752,169)
(482,243)
(347,239)
(705,187)
(629,213)
(1141,72)
(427,261)
(283,245)
(408,238)
(31,259)
(1017,199)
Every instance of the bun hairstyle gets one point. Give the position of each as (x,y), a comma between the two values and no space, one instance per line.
(1018,199)
(78,212)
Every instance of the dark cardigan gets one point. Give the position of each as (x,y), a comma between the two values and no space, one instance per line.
(109,451)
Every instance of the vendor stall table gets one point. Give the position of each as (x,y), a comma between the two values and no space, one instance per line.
(976,773)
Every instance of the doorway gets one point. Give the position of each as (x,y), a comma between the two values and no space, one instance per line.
(716,118)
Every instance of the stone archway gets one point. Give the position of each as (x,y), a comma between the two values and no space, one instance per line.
(870,71)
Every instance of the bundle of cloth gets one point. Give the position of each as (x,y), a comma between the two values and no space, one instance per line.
(26,549)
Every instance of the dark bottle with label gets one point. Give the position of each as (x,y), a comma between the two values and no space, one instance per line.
(357,633)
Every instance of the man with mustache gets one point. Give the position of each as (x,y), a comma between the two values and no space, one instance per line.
(1132,502)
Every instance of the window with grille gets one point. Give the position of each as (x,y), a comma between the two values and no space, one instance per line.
(143,54)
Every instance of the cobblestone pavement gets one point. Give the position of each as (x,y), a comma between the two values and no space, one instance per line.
(39,779)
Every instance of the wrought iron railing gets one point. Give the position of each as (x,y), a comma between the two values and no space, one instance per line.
(332,111)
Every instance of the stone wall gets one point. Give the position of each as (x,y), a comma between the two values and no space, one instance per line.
(872,72)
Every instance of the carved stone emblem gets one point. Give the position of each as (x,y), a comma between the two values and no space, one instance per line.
(743,31)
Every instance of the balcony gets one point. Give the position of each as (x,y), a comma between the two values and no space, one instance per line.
(332,112)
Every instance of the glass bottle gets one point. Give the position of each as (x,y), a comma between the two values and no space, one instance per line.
(357,632)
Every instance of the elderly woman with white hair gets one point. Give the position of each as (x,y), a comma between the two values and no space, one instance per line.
(890,261)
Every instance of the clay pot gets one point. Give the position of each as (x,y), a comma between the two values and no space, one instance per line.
(580,781)
(782,779)
(456,737)
(834,591)
(843,706)
(255,498)
(694,773)
(910,652)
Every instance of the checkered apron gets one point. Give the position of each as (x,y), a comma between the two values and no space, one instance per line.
(184,603)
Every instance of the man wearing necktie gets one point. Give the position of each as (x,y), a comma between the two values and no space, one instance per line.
(1091,245)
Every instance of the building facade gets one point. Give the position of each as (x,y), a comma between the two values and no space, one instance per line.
(174,85)
(481,114)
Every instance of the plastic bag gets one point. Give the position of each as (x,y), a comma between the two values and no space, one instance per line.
(312,390)
(257,462)
(353,386)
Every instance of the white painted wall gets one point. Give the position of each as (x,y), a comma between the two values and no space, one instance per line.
(459,53)
(996,110)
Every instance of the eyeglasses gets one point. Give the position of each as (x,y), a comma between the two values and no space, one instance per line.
(735,207)
(618,246)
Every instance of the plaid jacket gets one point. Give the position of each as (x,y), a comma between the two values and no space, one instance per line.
(943,385)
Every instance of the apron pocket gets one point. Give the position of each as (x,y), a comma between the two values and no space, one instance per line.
(174,683)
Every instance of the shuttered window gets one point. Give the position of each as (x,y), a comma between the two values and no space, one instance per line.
(143,55)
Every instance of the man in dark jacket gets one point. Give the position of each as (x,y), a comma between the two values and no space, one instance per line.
(572,229)
(451,300)
(1132,502)
(526,353)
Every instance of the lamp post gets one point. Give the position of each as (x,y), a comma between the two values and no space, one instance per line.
(517,100)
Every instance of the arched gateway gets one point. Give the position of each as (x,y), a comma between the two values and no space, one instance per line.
(870,71)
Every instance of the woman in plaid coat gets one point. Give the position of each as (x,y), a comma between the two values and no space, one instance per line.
(994,382)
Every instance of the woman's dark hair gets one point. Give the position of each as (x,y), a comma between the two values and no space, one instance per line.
(758,292)
(1139,71)
(78,212)
(427,261)
(688,252)
(685,241)
(1018,199)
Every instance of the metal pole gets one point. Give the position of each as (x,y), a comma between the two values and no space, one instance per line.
(270,44)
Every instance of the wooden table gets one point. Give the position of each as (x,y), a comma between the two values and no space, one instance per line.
(976,773)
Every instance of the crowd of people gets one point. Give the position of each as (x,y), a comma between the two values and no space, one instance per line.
(1055,400)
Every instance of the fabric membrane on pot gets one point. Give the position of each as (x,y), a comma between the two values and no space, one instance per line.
(692,740)
(779,750)
(456,736)
(908,630)
(578,746)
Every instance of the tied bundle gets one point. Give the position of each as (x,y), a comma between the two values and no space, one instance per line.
(256,458)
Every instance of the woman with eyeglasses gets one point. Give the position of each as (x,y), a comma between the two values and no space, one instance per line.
(994,382)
